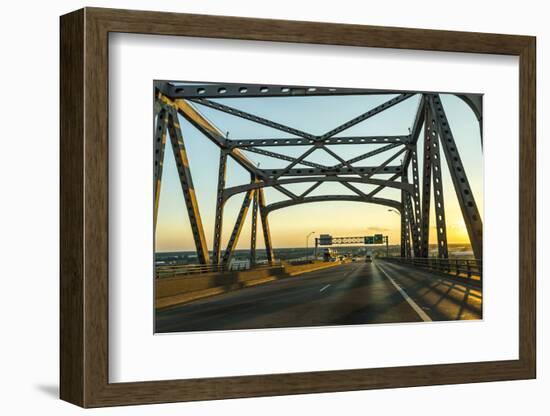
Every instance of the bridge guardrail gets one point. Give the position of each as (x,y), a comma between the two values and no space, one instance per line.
(462,268)
(189,269)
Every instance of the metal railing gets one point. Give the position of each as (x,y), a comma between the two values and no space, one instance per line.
(462,268)
(190,269)
(298,262)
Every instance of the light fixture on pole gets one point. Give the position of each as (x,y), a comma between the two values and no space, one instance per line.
(387,242)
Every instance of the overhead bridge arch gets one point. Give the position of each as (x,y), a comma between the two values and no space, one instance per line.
(325,198)
(229,192)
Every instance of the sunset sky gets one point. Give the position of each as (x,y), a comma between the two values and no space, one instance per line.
(316,115)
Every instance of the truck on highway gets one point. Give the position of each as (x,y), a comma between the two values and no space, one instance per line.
(368,257)
(328,255)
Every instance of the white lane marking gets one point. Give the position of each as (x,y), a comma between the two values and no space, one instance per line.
(349,274)
(411,302)
(324,287)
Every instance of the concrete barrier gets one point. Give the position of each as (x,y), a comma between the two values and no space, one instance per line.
(297,270)
(174,291)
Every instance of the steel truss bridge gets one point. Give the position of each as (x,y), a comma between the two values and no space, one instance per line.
(418,190)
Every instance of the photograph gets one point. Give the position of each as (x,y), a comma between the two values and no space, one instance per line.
(281,206)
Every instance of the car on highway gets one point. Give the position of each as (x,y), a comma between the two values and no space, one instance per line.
(368,258)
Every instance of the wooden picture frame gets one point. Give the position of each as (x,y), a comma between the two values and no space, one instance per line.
(84,207)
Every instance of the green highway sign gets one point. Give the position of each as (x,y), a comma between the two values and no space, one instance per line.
(374,239)
(325,240)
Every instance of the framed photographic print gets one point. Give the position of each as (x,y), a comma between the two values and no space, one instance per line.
(256,207)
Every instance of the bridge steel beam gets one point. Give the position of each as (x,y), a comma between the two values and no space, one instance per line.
(404,231)
(160,145)
(288,168)
(253,229)
(187,187)
(275,173)
(251,117)
(367,155)
(293,141)
(416,201)
(284,157)
(366,115)
(196,119)
(411,157)
(285,191)
(234,238)
(406,220)
(354,189)
(220,203)
(265,226)
(426,189)
(234,90)
(415,130)
(381,187)
(343,162)
(323,198)
(439,202)
(260,120)
(412,240)
(464,193)
(311,189)
(411,220)
(384,168)
(407,239)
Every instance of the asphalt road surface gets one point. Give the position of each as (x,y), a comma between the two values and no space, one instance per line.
(351,293)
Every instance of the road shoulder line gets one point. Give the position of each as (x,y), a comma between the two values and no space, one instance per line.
(423,315)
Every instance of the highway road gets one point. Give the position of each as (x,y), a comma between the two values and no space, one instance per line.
(351,293)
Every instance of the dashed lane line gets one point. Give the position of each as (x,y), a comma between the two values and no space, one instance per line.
(324,288)
(348,274)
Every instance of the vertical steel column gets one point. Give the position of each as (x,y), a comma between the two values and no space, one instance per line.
(408,243)
(406,215)
(462,187)
(265,226)
(232,243)
(220,202)
(439,204)
(404,226)
(160,145)
(426,190)
(416,199)
(253,229)
(186,182)
(413,228)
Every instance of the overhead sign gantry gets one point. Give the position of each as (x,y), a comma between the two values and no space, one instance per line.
(329,240)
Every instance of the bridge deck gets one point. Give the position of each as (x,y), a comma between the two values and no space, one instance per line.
(353,293)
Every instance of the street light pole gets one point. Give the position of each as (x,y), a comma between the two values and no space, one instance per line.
(396,213)
(307,242)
